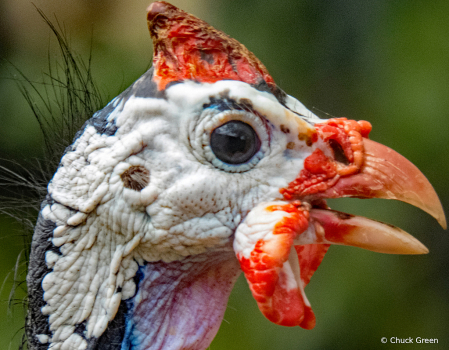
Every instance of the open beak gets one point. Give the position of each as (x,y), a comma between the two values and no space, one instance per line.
(281,244)
(387,174)
(384,174)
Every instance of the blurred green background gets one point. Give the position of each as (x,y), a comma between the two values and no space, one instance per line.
(383,61)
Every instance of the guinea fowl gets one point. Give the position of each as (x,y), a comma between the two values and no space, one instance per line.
(201,169)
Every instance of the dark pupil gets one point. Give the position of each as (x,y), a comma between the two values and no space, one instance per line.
(234,142)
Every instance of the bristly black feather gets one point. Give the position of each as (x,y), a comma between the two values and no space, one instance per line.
(61,104)
(70,97)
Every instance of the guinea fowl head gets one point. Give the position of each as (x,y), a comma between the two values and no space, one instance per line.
(199,170)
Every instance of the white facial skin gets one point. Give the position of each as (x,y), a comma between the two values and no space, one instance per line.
(193,201)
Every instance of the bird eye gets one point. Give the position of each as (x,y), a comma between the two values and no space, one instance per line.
(231,140)
(234,142)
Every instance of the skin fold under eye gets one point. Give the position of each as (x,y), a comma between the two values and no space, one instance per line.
(234,142)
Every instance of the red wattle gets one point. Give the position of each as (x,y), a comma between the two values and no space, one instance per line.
(270,275)
(310,257)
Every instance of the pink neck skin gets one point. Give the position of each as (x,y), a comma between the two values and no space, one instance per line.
(180,305)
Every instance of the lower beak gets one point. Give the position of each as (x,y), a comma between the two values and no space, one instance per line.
(333,227)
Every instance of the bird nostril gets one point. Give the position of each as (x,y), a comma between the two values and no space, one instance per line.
(136,177)
(339,153)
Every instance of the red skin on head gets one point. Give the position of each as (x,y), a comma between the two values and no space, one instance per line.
(185,47)
(322,172)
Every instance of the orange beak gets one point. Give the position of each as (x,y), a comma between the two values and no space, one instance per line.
(384,174)
(355,166)
(387,174)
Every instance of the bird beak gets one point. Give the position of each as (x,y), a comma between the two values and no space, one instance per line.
(358,167)
(281,244)
(387,174)
(384,174)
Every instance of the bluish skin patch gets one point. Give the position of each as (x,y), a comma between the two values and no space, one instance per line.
(129,341)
